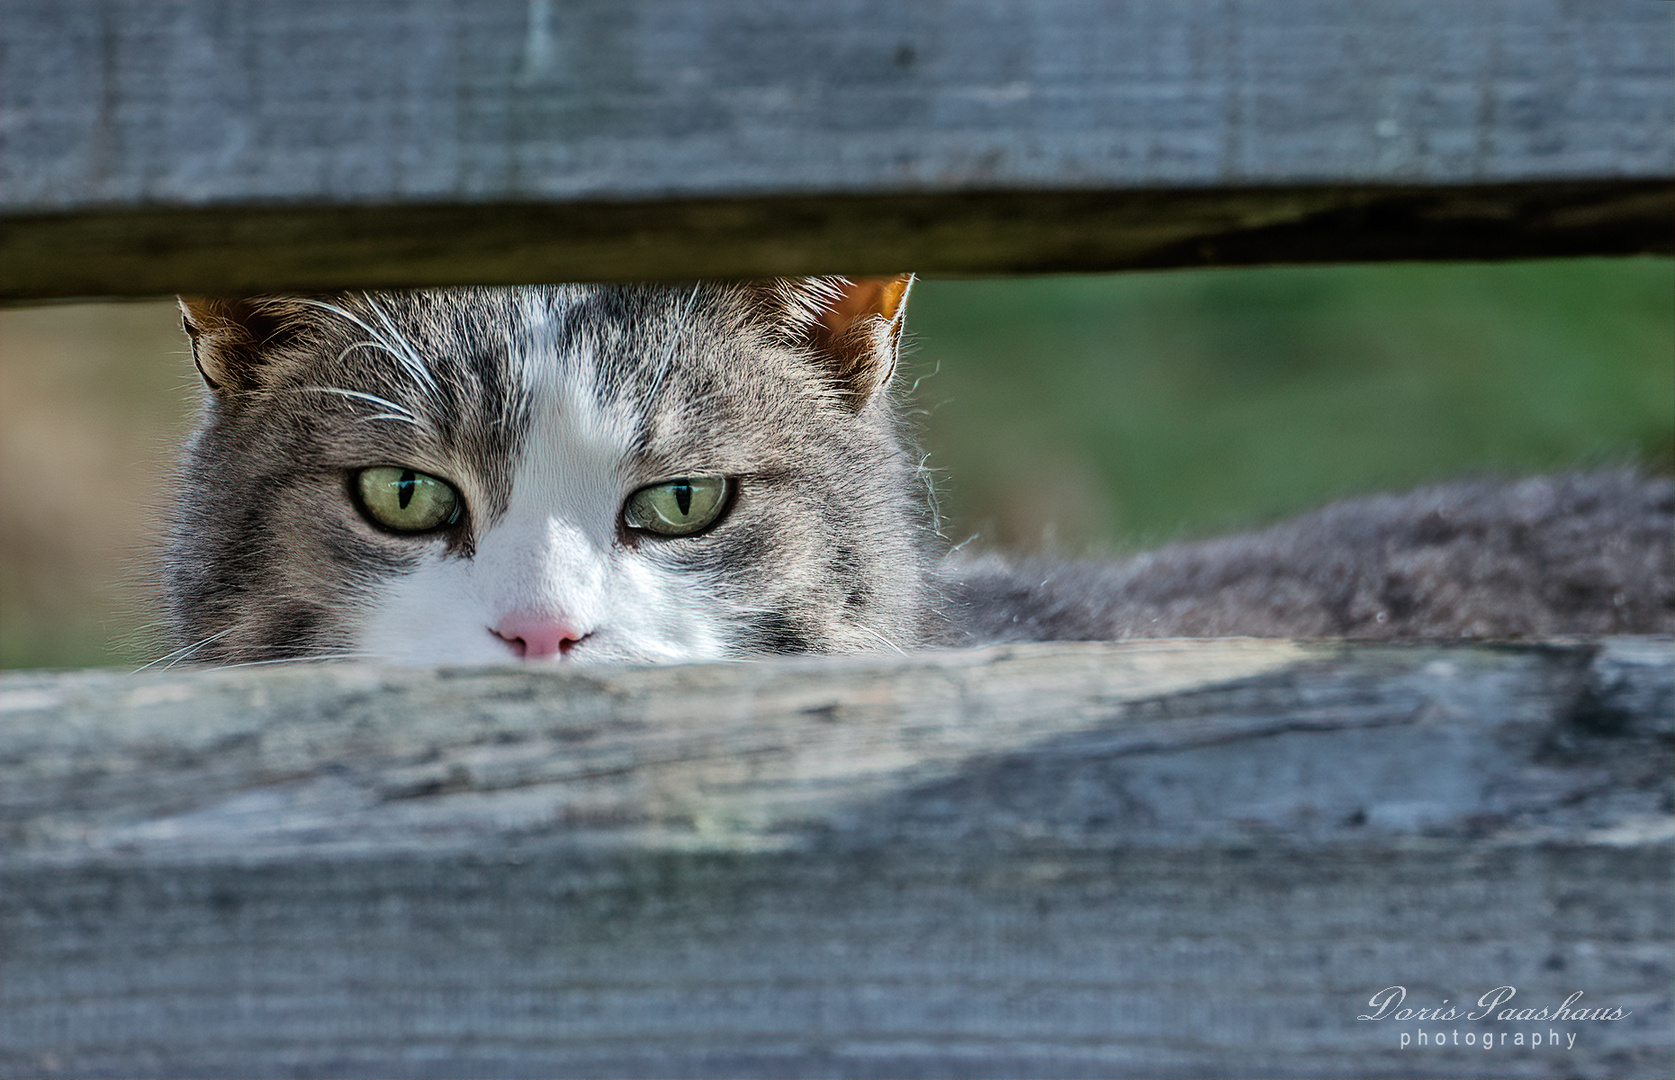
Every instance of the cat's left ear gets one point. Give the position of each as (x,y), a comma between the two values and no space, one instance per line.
(853,325)
(232,338)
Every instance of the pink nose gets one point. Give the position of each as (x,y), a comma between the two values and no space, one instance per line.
(536,636)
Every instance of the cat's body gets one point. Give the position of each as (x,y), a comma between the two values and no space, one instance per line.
(1582,553)
(645,473)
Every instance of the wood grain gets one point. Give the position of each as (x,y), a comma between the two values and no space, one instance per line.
(1149,858)
(196,145)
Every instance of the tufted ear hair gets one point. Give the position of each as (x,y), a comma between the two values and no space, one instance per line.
(852,326)
(232,337)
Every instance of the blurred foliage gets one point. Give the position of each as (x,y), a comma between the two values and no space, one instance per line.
(1102,413)
(93,406)
(1076,414)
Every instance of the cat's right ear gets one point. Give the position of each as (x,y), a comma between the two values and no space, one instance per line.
(231,338)
(852,326)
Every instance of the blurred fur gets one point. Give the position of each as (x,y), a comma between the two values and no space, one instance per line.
(1586,553)
(546,406)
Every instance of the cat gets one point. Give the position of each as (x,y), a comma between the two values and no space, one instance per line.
(635,473)
(652,473)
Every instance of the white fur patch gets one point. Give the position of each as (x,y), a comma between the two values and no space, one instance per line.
(556,551)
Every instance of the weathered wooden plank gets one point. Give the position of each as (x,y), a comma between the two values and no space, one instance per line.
(203,146)
(1159,857)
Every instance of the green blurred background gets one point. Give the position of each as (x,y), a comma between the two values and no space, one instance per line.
(1080,415)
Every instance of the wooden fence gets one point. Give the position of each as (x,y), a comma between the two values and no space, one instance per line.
(208,146)
(1161,858)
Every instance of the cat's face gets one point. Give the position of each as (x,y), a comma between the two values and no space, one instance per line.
(576,473)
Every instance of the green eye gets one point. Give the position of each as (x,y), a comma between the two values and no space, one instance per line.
(406,500)
(678,507)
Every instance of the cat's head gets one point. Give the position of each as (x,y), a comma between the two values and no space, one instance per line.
(571,472)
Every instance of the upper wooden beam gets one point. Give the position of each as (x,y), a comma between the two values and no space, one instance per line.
(209,146)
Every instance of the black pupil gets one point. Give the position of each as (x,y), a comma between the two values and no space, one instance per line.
(683,496)
(405,487)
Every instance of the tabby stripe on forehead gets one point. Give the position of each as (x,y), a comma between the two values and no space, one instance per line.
(408,484)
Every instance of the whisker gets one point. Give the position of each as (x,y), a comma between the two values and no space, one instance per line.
(931,374)
(396,412)
(881,637)
(404,356)
(408,355)
(374,398)
(312,658)
(927,478)
(674,339)
(169,660)
(368,344)
(344,313)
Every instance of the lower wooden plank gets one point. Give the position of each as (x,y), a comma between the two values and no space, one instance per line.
(1248,961)
(1159,858)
